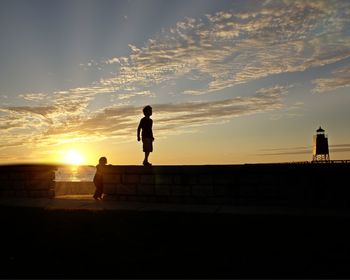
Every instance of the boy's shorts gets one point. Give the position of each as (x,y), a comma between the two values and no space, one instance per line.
(147,144)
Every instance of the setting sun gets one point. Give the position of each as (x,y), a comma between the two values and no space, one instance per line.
(73,157)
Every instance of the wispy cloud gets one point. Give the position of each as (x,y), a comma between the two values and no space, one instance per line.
(133,94)
(340,78)
(291,111)
(301,150)
(34,96)
(42,110)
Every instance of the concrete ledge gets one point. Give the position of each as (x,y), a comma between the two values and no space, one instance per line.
(74,188)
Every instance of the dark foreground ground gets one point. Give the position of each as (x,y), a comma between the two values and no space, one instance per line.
(38,243)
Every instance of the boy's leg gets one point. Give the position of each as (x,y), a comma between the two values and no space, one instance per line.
(145,162)
(147,148)
(100,192)
(96,193)
(146,157)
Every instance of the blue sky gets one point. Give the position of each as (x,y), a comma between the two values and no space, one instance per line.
(229,81)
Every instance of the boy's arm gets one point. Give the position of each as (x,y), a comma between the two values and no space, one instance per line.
(152,129)
(138,132)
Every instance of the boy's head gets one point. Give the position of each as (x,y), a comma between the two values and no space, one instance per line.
(147,111)
(102,161)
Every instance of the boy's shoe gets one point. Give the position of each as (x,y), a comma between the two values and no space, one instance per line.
(146,163)
(95,197)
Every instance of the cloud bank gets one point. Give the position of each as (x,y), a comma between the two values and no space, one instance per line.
(220,50)
(121,121)
(229,48)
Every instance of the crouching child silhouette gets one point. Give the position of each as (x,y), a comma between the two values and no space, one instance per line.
(98,178)
(147,134)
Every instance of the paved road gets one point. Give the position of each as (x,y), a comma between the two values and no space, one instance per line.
(75,237)
(86,202)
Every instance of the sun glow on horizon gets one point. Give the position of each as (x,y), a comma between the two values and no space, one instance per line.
(73,157)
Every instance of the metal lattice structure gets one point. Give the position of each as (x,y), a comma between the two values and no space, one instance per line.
(320,150)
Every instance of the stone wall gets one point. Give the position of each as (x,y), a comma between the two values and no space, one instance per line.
(27,181)
(292,185)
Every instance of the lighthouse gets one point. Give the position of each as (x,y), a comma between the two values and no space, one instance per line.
(320,151)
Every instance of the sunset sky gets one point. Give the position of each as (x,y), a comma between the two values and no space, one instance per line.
(230,82)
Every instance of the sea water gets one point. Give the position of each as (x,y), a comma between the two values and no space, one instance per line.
(75,173)
(74,180)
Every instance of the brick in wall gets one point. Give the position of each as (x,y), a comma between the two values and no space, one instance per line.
(109,188)
(131,179)
(147,179)
(124,189)
(161,179)
(112,178)
(202,190)
(162,190)
(145,190)
(180,190)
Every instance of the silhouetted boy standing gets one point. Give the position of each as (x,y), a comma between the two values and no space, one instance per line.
(98,178)
(147,133)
